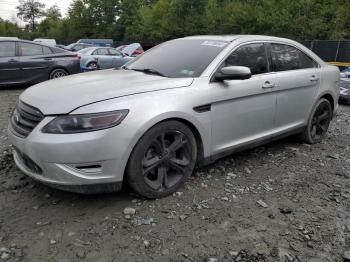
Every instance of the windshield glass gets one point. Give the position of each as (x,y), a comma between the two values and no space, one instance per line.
(70,46)
(179,58)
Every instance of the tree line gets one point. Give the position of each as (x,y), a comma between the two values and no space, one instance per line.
(160,20)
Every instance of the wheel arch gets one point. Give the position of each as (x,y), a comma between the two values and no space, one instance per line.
(330,98)
(58,67)
(90,60)
(191,123)
(195,132)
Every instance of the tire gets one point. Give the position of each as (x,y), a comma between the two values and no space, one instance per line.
(92,65)
(318,123)
(162,160)
(57,73)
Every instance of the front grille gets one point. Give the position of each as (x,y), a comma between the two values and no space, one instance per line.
(24,119)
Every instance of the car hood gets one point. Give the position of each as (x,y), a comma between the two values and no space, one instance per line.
(61,96)
(130,49)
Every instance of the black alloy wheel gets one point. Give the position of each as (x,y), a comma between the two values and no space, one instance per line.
(58,73)
(319,122)
(162,160)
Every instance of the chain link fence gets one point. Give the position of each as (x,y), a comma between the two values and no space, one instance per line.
(335,52)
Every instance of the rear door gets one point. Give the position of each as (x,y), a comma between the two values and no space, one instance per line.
(9,65)
(35,62)
(297,81)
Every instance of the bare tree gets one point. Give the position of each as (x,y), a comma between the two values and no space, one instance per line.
(29,11)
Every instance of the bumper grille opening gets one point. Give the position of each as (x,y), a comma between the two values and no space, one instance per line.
(24,119)
(90,168)
(28,163)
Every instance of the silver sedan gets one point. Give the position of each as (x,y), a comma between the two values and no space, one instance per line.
(184,103)
(93,58)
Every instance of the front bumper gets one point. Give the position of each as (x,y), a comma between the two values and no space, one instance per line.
(72,162)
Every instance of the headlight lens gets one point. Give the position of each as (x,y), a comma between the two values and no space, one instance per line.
(71,124)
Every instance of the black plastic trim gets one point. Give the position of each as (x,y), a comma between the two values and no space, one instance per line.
(203,108)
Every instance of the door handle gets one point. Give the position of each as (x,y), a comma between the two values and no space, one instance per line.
(268,85)
(48,59)
(314,78)
(12,61)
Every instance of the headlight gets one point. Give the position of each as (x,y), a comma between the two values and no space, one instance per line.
(71,124)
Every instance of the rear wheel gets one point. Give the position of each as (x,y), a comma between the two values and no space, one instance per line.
(162,160)
(319,122)
(57,73)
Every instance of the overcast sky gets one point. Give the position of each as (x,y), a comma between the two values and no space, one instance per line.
(8,7)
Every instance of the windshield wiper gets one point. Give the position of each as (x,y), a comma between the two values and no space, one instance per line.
(150,71)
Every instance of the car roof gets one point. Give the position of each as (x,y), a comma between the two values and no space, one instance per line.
(231,38)
(23,41)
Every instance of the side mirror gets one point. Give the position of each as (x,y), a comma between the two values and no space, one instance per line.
(343,75)
(233,73)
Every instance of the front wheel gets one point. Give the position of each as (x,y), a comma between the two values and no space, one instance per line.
(319,122)
(162,160)
(92,65)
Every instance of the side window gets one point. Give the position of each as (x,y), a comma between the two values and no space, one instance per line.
(114,52)
(285,57)
(31,49)
(7,49)
(252,56)
(102,51)
(47,51)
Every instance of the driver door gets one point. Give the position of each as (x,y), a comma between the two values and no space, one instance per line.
(243,111)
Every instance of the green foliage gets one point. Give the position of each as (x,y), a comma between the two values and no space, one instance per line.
(159,20)
(30,11)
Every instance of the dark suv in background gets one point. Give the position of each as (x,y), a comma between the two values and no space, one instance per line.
(26,62)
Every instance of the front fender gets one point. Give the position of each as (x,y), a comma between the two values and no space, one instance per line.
(150,108)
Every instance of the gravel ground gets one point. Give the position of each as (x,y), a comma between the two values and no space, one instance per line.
(286,201)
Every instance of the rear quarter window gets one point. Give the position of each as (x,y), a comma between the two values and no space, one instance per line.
(47,50)
(58,50)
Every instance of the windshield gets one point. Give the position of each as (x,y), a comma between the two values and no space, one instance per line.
(179,58)
(70,46)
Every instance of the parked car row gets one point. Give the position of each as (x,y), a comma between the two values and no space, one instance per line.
(30,62)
